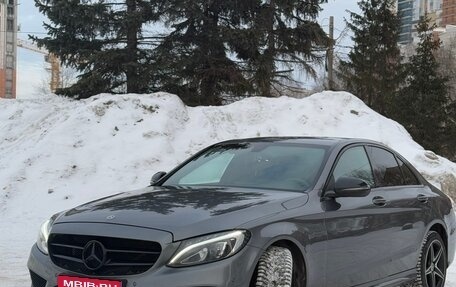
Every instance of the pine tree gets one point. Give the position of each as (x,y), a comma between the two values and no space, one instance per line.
(220,48)
(195,58)
(211,49)
(423,102)
(373,71)
(102,40)
(284,36)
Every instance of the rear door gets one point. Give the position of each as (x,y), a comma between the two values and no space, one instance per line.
(359,229)
(406,206)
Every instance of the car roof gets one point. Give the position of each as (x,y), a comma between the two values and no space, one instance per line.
(323,141)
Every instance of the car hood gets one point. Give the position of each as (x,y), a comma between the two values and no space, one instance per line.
(185,212)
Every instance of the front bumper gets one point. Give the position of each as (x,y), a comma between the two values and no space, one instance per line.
(231,272)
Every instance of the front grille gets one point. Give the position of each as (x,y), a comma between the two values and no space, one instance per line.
(122,256)
(37,281)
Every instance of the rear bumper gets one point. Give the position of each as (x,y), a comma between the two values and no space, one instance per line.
(233,272)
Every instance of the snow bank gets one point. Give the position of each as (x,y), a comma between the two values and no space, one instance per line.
(56,153)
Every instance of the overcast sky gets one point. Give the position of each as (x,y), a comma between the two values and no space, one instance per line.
(31,66)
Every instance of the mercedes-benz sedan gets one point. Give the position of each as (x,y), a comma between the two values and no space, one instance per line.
(263,212)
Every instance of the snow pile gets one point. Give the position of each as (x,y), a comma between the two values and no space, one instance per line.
(56,153)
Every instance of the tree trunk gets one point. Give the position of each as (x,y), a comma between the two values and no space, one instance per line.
(268,66)
(208,86)
(131,69)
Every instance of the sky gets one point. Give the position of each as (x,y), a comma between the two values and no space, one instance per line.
(31,67)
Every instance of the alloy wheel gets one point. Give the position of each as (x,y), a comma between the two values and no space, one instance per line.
(435,265)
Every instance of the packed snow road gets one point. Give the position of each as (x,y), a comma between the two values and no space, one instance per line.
(56,153)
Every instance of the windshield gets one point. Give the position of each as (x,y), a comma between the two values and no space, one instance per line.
(253,165)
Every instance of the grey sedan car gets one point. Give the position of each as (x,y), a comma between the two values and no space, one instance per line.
(267,212)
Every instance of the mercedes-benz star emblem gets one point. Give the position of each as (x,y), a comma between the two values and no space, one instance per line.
(94,255)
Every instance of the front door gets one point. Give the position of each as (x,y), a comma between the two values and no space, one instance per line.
(359,229)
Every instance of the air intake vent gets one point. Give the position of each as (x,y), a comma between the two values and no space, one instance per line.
(37,281)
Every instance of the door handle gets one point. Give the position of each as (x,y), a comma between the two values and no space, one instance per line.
(422,198)
(379,201)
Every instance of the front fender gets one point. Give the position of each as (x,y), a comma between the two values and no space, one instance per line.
(306,232)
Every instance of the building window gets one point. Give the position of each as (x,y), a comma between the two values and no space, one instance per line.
(9,48)
(9,37)
(10,11)
(10,25)
(10,61)
(11,2)
(9,74)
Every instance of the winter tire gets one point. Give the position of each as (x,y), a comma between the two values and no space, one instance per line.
(275,268)
(432,263)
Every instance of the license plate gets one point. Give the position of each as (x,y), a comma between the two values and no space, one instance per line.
(72,281)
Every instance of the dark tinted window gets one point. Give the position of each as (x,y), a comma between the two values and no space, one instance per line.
(254,165)
(354,163)
(409,177)
(386,169)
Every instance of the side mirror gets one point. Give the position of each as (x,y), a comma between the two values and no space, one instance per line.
(350,187)
(156,177)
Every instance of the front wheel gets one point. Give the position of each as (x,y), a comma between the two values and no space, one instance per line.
(432,264)
(275,268)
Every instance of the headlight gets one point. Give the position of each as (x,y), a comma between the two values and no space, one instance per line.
(209,248)
(43,236)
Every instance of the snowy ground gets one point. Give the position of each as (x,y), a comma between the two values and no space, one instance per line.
(56,153)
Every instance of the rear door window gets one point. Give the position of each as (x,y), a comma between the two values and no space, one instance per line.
(409,176)
(386,169)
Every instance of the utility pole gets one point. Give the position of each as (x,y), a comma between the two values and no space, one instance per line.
(331,54)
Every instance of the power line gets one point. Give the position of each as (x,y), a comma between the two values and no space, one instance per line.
(343,46)
(25,32)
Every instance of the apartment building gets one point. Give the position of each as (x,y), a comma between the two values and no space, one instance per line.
(8,48)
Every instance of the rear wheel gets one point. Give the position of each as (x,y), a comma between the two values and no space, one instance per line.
(275,268)
(432,264)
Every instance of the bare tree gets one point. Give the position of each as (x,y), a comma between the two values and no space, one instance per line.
(322,82)
(446,57)
(68,76)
